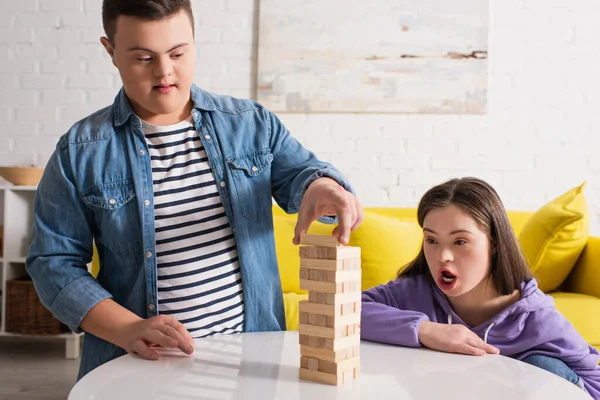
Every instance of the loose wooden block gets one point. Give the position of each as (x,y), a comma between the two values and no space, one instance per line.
(330,332)
(319,240)
(326,315)
(339,253)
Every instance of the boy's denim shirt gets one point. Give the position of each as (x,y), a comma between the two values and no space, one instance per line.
(97,187)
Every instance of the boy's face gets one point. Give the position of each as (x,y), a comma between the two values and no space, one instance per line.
(156,61)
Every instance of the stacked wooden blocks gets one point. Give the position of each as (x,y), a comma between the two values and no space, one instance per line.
(330,320)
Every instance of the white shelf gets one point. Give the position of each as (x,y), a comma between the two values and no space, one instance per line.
(16,216)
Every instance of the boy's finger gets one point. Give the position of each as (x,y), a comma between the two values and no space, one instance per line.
(144,351)
(178,326)
(491,349)
(183,343)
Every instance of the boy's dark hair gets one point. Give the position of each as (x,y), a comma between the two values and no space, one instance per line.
(151,10)
(478,199)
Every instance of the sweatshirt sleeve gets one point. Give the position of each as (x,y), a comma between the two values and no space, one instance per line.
(384,320)
(564,342)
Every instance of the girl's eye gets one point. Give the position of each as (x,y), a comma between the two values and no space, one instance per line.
(430,241)
(177,55)
(460,242)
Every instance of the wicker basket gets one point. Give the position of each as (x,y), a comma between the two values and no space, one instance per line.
(25,313)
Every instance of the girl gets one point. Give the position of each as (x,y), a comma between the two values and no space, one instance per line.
(469,291)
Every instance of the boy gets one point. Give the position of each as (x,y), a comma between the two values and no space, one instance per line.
(174,185)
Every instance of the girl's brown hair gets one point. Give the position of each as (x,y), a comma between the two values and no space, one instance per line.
(478,199)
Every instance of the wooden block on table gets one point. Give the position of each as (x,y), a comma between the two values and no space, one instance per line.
(327,253)
(319,240)
(338,321)
(329,367)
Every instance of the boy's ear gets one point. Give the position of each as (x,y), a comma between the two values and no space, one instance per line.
(109,48)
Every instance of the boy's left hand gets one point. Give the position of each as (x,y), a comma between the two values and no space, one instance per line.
(325,196)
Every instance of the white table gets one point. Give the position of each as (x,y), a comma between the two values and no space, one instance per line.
(265,366)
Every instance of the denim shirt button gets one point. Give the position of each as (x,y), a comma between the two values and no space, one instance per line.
(254,169)
(147,202)
(143,152)
(222,184)
(207,137)
(112,201)
(151,307)
(148,254)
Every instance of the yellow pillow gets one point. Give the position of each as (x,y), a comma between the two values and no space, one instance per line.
(387,244)
(554,237)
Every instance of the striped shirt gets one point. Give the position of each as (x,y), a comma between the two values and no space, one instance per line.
(199,279)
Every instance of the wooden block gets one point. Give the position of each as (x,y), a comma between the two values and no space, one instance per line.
(339,253)
(351,277)
(340,367)
(348,308)
(305,306)
(321,377)
(350,264)
(328,355)
(329,344)
(303,316)
(322,264)
(334,298)
(322,331)
(321,287)
(319,240)
(309,363)
(317,320)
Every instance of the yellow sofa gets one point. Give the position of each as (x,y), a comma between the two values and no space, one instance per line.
(391,236)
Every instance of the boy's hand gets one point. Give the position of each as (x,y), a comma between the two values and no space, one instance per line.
(453,338)
(164,331)
(325,196)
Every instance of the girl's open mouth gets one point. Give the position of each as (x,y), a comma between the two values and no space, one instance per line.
(446,280)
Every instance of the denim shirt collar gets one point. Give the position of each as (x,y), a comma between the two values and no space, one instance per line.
(122,110)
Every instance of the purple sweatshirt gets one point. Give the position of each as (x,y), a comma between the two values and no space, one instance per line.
(392,313)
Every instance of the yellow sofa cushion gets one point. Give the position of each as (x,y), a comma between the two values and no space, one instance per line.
(554,237)
(291,304)
(578,308)
(386,244)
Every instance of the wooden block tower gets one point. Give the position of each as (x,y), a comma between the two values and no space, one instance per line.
(330,320)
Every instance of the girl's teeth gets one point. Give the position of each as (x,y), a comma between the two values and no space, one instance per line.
(447,280)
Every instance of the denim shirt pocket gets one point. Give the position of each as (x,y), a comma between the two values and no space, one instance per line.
(252,183)
(116,216)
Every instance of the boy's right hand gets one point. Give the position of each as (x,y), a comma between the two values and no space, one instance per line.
(453,338)
(162,330)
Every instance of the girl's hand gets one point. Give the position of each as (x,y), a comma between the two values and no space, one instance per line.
(163,331)
(453,338)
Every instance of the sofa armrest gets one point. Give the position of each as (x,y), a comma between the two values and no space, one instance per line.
(585,276)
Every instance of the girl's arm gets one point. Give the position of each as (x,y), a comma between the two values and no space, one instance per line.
(562,341)
(387,317)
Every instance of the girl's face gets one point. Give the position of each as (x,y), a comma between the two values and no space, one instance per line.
(456,249)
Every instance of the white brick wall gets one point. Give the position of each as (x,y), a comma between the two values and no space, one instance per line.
(539,138)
